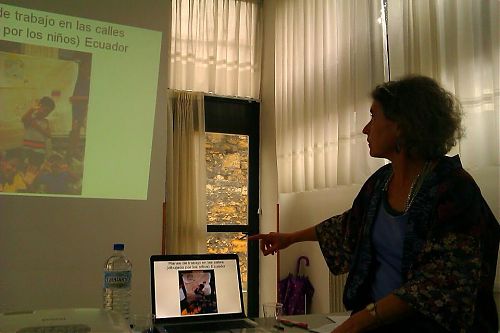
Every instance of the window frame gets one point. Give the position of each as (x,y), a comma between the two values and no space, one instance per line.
(241,116)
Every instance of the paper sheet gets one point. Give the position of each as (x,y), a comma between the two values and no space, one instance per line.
(338,319)
(328,328)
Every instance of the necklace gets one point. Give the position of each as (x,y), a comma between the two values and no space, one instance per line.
(415,185)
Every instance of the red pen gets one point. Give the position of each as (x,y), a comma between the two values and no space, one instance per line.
(288,322)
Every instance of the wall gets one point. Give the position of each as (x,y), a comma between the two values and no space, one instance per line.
(53,249)
(268,169)
(302,210)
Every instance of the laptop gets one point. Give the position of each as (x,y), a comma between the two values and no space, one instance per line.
(197,293)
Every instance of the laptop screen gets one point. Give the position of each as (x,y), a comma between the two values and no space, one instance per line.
(188,286)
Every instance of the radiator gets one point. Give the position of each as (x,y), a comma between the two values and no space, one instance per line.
(337,283)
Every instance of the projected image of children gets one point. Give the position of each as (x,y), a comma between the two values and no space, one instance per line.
(197,294)
(43,118)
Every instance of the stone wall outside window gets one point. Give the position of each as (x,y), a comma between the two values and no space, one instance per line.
(227,193)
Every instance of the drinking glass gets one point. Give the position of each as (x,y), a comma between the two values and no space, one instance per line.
(272,311)
(142,323)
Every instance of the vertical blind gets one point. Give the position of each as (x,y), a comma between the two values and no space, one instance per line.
(329,55)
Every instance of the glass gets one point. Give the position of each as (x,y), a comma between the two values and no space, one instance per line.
(227,158)
(227,178)
(142,323)
(271,311)
(231,242)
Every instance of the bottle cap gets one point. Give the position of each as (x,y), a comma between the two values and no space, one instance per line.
(118,247)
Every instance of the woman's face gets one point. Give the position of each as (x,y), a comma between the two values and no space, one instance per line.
(381,133)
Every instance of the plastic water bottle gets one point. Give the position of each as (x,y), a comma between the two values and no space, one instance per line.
(117,282)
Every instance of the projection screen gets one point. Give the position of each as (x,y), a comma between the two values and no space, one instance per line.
(77,105)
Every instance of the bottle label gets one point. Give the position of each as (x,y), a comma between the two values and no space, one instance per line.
(120,279)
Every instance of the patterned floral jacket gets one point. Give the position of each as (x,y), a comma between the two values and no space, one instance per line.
(449,255)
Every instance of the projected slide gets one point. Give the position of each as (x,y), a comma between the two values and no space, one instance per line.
(77,106)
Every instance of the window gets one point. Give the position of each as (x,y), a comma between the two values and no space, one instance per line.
(232,159)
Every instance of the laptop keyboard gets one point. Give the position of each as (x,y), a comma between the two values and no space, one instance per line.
(210,327)
(56,329)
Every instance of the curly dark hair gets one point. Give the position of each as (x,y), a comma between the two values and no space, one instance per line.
(47,103)
(429,116)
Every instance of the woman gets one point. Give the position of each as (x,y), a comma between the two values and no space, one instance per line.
(420,243)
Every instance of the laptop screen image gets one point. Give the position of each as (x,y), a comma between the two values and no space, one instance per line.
(188,287)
